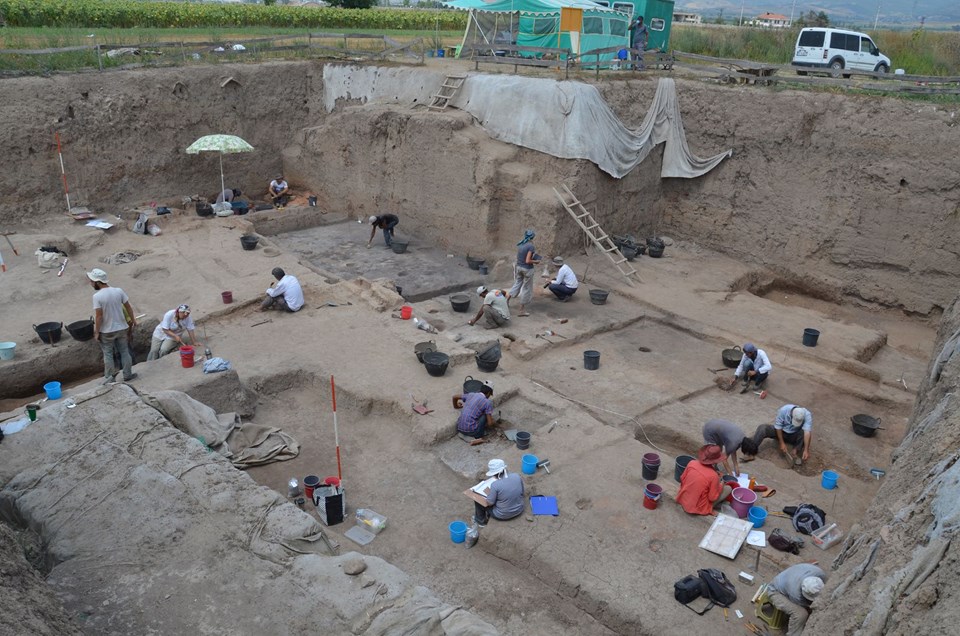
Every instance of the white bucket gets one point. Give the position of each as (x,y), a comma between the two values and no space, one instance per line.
(6,350)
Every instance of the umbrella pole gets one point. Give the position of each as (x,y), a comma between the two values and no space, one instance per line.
(336,432)
(222,187)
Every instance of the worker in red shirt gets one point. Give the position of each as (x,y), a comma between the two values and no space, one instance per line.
(701,490)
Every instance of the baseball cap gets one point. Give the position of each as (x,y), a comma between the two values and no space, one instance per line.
(481,290)
(372,219)
(799,415)
(97,275)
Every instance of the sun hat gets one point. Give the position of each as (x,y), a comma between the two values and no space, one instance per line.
(481,290)
(372,219)
(495,467)
(710,454)
(811,587)
(749,348)
(799,415)
(184,309)
(97,275)
(558,260)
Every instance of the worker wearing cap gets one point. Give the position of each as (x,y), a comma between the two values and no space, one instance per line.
(794,426)
(505,497)
(754,367)
(286,293)
(565,284)
(494,307)
(169,334)
(110,325)
(385,222)
(279,192)
(701,490)
(793,591)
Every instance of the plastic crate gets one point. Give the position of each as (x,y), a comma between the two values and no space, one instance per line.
(370,520)
(826,536)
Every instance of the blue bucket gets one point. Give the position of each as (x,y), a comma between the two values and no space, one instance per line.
(758,516)
(529,465)
(53,390)
(829,479)
(458,531)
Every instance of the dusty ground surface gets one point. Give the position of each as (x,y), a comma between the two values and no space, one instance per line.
(606,564)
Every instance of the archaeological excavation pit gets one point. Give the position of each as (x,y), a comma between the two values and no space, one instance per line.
(766,244)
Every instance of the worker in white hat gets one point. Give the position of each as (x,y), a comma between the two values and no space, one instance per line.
(793,426)
(565,285)
(111,325)
(385,222)
(170,333)
(494,307)
(504,495)
(793,591)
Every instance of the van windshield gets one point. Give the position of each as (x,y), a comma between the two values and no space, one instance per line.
(811,38)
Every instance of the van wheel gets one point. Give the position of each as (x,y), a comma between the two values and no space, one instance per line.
(835,67)
(883,69)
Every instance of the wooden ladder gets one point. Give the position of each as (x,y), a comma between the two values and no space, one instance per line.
(448,90)
(593,230)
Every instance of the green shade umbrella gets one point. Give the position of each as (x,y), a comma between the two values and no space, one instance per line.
(222,144)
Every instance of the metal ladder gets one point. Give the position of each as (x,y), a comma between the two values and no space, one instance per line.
(448,90)
(596,234)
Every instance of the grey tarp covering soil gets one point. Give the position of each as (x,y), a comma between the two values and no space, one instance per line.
(147,532)
(570,120)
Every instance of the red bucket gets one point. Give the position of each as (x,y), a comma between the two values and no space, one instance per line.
(332,481)
(227,297)
(309,483)
(186,356)
(651,496)
(406,312)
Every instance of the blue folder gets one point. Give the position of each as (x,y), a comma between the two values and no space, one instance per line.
(544,505)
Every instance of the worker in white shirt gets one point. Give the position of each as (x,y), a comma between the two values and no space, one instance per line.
(285,294)
(565,284)
(754,367)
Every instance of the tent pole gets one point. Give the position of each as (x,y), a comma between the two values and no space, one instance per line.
(222,187)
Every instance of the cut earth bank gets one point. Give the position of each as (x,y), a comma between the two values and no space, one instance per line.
(602,565)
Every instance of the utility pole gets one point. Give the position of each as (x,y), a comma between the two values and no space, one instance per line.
(741,11)
(877,19)
(792,8)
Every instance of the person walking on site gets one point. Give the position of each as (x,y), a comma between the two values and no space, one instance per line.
(527,257)
(794,426)
(169,334)
(286,293)
(793,592)
(754,367)
(385,222)
(110,326)
(565,285)
(638,42)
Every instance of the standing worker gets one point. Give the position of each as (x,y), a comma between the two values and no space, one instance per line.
(385,222)
(565,284)
(793,592)
(494,307)
(638,42)
(169,334)
(527,257)
(110,326)
(754,367)
(730,438)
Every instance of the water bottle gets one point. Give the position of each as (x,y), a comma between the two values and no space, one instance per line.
(423,324)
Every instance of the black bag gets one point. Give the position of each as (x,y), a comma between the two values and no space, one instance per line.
(784,543)
(687,589)
(808,518)
(719,588)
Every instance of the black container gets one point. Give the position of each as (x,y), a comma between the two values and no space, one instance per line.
(591,360)
(240,207)
(655,252)
(487,366)
(629,253)
(423,347)
(681,466)
(810,337)
(471,386)
(460,303)
(249,242)
(398,247)
(49,332)
(436,363)
(204,209)
(598,296)
(474,263)
(865,426)
(523,440)
(81,330)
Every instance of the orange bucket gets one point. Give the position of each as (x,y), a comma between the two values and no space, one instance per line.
(186,356)
(406,312)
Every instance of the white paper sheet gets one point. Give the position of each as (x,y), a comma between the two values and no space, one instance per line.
(103,225)
(744,480)
(757,538)
(483,486)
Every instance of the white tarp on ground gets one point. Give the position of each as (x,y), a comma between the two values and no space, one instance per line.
(570,120)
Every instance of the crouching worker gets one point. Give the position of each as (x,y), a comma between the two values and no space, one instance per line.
(565,284)
(701,490)
(754,367)
(284,294)
(793,591)
(505,499)
(477,412)
(169,333)
(494,308)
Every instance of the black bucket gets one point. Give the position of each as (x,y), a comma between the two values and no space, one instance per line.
(460,303)
(629,253)
(49,332)
(598,296)
(655,252)
(471,386)
(249,242)
(487,366)
(810,337)
(81,330)
(681,466)
(436,363)
(651,466)
(523,440)
(474,263)
(312,202)
(591,360)
(398,247)
(422,347)
(204,209)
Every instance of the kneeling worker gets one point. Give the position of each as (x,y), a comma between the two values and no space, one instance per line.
(505,499)
(700,487)
(793,591)
(565,284)
(169,334)
(494,307)
(285,294)
(794,426)
(477,412)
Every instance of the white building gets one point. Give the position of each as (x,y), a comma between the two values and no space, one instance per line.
(771,21)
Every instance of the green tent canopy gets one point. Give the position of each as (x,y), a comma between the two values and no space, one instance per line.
(537,23)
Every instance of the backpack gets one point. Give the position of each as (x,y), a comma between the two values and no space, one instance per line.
(784,543)
(711,584)
(687,589)
(808,518)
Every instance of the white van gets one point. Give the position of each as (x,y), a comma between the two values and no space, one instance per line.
(838,49)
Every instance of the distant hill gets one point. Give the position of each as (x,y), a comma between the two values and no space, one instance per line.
(898,13)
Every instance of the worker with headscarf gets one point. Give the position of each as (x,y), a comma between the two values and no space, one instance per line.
(754,367)
(527,257)
(385,222)
(793,591)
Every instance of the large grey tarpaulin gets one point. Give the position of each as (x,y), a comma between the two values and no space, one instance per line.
(565,119)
